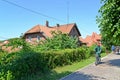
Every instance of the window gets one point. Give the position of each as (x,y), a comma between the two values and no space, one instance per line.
(38,38)
(29,38)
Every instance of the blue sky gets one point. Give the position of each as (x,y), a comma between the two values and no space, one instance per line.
(15,20)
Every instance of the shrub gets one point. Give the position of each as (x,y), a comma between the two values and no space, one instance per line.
(25,63)
(22,63)
(6,76)
(63,57)
(18,42)
(91,52)
(59,41)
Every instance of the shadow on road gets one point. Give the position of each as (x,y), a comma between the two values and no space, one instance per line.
(82,76)
(115,62)
(102,63)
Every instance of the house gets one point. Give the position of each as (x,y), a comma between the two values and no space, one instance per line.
(40,32)
(91,39)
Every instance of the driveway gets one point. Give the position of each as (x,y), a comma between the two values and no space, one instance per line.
(108,69)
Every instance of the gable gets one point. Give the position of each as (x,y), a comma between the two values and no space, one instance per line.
(74,31)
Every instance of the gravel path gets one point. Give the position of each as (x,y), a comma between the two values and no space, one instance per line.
(108,69)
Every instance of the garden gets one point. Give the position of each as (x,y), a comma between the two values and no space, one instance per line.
(42,59)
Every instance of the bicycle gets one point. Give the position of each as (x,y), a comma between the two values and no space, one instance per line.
(98,59)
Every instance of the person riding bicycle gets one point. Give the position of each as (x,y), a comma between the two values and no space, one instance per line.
(97,53)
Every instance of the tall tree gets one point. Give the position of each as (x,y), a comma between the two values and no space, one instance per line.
(109,22)
(59,41)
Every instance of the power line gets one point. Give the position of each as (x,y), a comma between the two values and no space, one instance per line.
(30,10)
(35,12)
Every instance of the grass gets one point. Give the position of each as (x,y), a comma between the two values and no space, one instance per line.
(60,72)
(77,65)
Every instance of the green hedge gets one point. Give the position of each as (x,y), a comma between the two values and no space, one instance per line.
(6,76)
(63,57)
(23,63)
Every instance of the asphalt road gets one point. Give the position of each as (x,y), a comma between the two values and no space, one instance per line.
(108,69)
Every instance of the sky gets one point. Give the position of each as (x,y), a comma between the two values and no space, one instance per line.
(18,16)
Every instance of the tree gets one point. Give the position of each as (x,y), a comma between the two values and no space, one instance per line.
(109,22)
(18,42)
(59,41)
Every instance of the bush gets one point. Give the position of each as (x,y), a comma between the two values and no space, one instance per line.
(25,63)
(91,52)
(6,76)
(103,49)
(22,63)
(59,41)
(63,57)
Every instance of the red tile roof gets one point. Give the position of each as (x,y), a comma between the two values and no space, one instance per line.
(90,40)
(65,28)
(40,28)
(47,30)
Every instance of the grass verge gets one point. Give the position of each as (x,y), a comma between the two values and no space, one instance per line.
(60,72)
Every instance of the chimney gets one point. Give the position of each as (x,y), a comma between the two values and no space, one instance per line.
(58,25)
(47,23)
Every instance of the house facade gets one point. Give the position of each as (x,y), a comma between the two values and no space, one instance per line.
(40,32)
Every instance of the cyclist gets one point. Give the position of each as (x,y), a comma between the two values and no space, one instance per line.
(97,53)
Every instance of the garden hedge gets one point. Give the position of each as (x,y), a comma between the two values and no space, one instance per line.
(25,63)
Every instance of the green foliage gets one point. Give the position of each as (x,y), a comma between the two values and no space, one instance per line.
(15,42)
(109,22)
(1,51)
(59,41)
(90,51)
(18,42)
(63,57)
(6,76)
(26,63)
(22,63)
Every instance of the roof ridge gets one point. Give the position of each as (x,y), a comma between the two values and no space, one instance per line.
(63,24)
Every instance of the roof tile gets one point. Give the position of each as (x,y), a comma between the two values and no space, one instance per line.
(92,39)
(47,30)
